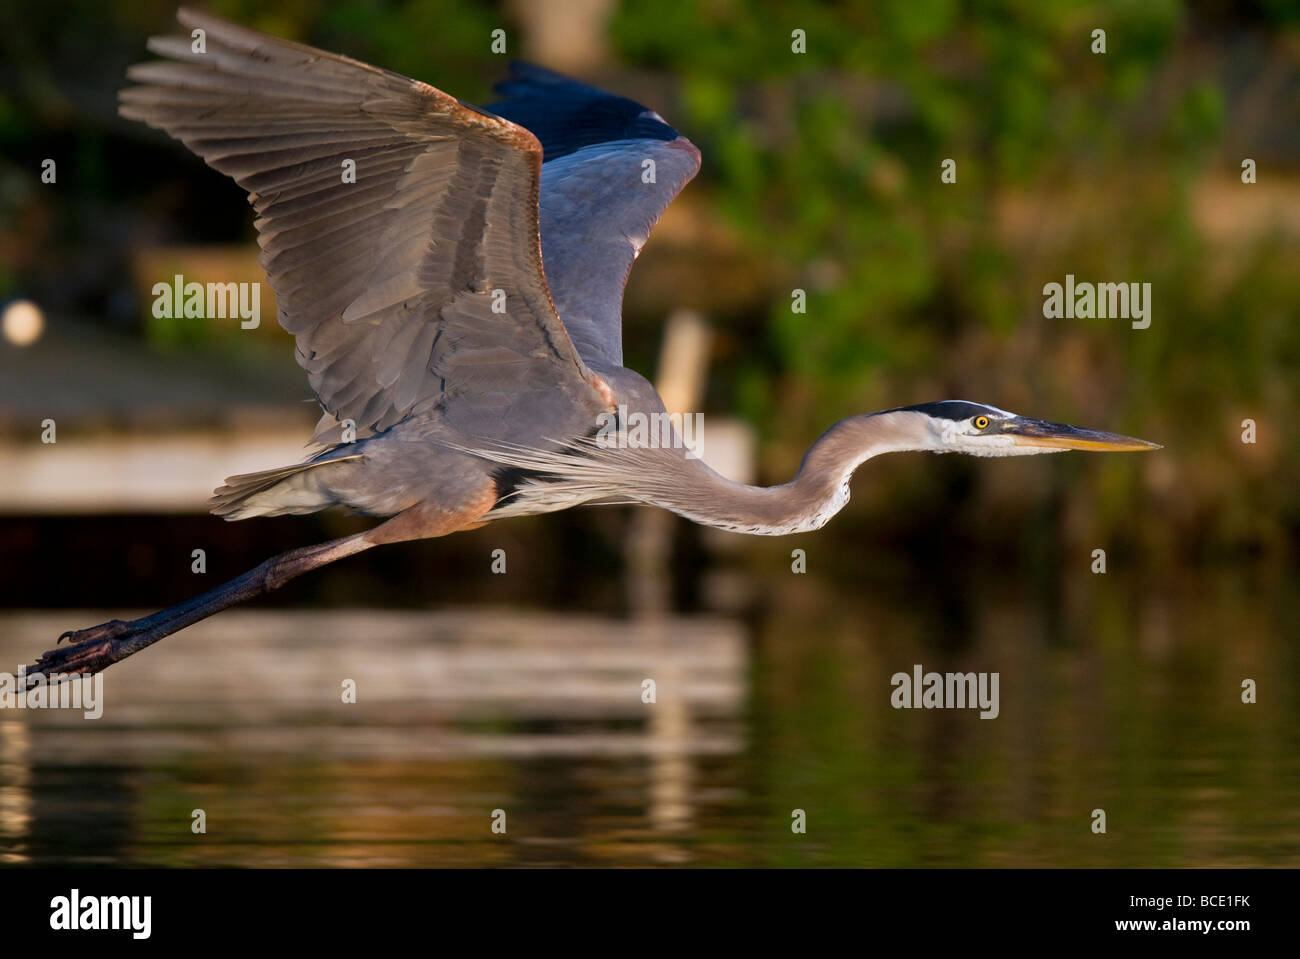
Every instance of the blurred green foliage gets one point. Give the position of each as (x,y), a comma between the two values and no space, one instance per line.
(828,162)
(825,166)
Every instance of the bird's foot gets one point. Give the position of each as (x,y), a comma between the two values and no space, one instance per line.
(90,650)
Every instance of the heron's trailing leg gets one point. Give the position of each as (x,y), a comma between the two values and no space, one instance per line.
(98,647)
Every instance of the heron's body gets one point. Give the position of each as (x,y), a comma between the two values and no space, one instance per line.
(457,305)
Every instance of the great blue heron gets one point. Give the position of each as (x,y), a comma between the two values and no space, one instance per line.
(473,380)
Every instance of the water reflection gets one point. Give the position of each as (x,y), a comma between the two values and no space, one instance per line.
(1114,695)
(15,791)
(455,714)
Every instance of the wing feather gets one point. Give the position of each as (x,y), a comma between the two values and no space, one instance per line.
(385,283)
(611,168)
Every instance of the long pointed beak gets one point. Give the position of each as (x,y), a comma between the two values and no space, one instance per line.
(1059,436)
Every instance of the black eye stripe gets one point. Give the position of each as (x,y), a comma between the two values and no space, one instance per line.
(955,410)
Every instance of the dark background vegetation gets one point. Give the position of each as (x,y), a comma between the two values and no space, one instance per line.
(822,173)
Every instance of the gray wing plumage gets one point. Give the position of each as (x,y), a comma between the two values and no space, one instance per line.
(388,284)
(600,198)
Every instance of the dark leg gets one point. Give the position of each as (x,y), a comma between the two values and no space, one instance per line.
(101,646)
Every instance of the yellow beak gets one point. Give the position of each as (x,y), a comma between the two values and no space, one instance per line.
(1059,436)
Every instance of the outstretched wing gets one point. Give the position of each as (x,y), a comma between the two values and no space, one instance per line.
(611,169)
(420,280)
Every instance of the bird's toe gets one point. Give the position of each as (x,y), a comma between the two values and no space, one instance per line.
(110,630)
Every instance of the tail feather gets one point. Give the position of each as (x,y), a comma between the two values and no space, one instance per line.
(274,492)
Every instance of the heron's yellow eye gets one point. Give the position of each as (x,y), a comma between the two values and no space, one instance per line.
(981,422)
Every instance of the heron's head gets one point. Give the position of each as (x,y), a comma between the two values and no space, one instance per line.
(956,426)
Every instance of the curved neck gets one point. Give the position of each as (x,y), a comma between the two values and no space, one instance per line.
(818,491)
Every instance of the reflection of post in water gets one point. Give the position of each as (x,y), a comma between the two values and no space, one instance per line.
(15,791)
(683,360)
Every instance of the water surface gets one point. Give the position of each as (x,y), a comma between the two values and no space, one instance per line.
(1125,698)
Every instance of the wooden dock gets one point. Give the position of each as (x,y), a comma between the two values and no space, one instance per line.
(428,685)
